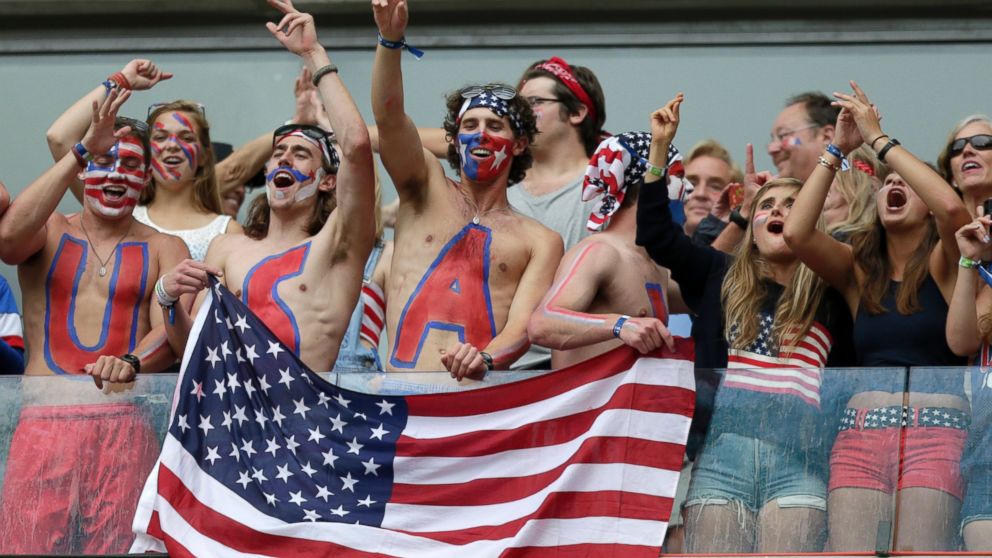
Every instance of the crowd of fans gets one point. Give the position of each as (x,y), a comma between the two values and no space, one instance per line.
(557,242)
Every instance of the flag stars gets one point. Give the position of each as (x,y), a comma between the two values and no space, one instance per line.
(261,419)
(248,449)
(197,391)
(272,447)
(212,357)
(323,492)
(342,401)
(310,515)
(205,425)
(353,446)
(330,458)
(322,399)
(219,389)
(338,424)
(274,349)
(224,350)
(379,432)
(283,473)
(297,498)
(183,425)
(292,444)
(340,511)
(367,502)
(212,455)
(315,435)
(263,383)
(258,475)
(285,377)
(239,414)
(242,324)
(232,382)
(234,452)
(301,408)
(243,479)
(277,416)
(385,407)
(250,354)
(270,498)
(310,471)
(348,483)
(249,388)
(371,467)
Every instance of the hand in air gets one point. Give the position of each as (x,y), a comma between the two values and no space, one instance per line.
(309,108)
(753,181)
(973,239)
(101,137)
(296,30)
(665,121)
(143,74)
(864,113)
(392,18)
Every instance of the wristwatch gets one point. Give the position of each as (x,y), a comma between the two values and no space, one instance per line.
(134,361)
(738,219)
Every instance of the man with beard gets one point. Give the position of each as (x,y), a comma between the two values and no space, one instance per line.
(467,270)
(79,455)
(298,265)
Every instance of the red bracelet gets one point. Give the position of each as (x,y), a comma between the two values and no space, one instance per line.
(121,80)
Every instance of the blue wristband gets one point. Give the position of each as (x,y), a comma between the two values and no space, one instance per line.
(619,325)
(985,272)
(400,45)
(836,152)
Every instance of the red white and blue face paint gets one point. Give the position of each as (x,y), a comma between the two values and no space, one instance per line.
(484,157)
(113,182)
(176,148)
(283,177)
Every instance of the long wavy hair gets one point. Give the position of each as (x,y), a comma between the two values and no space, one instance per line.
(872,257)
(206,192)
(858,190)
(743,292)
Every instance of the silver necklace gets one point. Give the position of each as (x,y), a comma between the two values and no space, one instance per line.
(103,262)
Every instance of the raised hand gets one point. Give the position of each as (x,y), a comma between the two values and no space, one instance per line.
(753,181)
(865,114)
(101,137)
(143,74)
(665,121)
(296,30)
(392,17)
(846,134)
(309,108)
(973,239)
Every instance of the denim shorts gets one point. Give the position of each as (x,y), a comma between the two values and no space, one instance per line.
(736,468)
(978,495)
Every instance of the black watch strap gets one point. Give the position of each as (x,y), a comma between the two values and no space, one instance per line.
(738,219)
(134,361)
(885,150)
(487,359)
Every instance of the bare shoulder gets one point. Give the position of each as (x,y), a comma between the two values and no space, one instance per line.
(536,234)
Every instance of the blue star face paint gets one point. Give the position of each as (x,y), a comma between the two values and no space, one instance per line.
(484,157)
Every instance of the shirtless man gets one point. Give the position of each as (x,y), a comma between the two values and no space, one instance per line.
(468,270)
(607,291)
(79,455)
(299,263)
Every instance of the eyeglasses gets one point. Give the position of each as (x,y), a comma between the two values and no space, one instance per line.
(500,91)
(781,136)
(534,101)
(981,142)
(155,106)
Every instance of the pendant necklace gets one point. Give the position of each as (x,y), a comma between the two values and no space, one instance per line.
(103,262)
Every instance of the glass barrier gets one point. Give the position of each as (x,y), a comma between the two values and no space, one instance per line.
(778,461)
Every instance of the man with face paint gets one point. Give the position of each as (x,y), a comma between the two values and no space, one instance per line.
(87,282)
(300,261)
(468,270)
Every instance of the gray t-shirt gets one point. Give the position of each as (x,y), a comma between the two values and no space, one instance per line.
(564,212)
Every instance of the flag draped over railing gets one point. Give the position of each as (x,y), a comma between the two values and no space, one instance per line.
(264,457)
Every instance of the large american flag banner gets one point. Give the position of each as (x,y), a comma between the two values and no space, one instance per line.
(764,366)
(263,457)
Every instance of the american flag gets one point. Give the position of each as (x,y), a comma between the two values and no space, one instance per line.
(264,457)
(764,366)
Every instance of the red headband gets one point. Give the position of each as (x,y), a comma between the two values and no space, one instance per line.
(863,167)
(561,70)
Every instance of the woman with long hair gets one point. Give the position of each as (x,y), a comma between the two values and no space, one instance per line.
(897,275)
(759,484)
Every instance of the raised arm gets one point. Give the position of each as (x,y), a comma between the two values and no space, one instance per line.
(948,210)
(657,232)
(464,360)
(561,321)
(69,127)
(968,302)
(355,225)
(23,227)
(400,147)
(827,257)
(733,233)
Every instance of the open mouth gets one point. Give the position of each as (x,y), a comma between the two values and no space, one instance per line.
(283,179)
(775,227)
(114,193)
(970,165)
(481,153)
(895,199)
(173,160)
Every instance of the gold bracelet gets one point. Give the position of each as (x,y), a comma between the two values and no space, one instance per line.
(823,162)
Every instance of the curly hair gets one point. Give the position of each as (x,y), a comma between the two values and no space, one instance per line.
(528,129)
(590,130)
(206,192)
(257,223)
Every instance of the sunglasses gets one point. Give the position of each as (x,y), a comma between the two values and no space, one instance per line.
(155,106)
(323,138)
(500,91)
(981,142)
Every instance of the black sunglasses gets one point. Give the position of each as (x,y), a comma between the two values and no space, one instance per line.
(500,91)
(981,142)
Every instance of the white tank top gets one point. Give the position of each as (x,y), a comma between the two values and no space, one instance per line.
(197,240)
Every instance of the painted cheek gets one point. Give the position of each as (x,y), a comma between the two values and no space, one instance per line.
(761,217)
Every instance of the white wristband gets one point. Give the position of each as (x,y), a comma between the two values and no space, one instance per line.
(164,299)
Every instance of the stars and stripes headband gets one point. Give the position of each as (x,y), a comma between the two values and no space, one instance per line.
(494,97)
(561,70)
(619,161)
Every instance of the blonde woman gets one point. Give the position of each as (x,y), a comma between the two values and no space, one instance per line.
(896,275)
(850,203)
(760,482)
